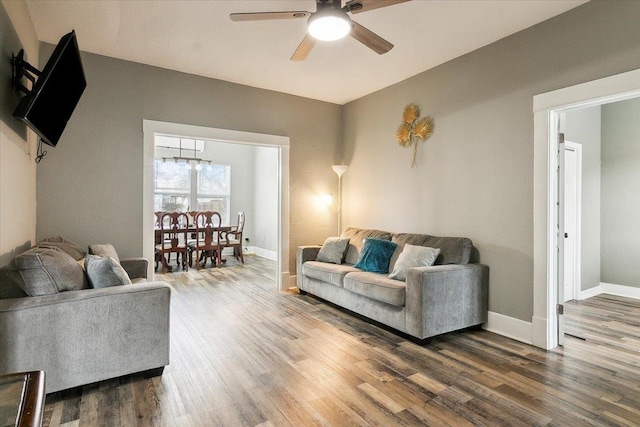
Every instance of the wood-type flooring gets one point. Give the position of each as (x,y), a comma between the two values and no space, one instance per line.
(244,354)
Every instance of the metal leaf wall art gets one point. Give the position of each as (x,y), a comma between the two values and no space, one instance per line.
(414,129)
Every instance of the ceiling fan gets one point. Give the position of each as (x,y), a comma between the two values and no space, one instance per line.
(329,22)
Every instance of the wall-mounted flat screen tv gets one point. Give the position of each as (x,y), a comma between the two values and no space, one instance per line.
(55,94)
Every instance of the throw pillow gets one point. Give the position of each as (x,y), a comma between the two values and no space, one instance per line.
(333,250)
(72,249)
(413,256)
(375,255)
(105,272)
(44,271)
(104,250)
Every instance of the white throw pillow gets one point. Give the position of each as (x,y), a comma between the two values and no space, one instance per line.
(413,256)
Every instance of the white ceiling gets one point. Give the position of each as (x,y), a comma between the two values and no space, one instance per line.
(197,37)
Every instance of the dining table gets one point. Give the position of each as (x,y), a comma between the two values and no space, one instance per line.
(191,229)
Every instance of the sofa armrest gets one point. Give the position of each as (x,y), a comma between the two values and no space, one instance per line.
(445,298)
(304,254)
(135,267)
(85,336)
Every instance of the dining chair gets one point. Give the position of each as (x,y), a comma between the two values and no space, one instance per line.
(233,238)
(207,239)
(192,235)
(158,237)
(173,236)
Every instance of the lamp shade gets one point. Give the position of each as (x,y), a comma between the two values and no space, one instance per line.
(340,169)
(329,25)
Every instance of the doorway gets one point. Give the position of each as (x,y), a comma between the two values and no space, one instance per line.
(547,107)
(281,144)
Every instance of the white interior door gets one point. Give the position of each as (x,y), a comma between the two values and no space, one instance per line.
(572,201)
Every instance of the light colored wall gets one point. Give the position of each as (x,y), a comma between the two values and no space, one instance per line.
(620,187)
(17,144)
(584,127)
(90,185)
(265,211)
(475,175)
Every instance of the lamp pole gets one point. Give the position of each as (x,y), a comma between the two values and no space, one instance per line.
(339,170)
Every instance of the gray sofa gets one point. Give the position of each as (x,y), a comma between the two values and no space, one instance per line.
(85,335)
(448,296)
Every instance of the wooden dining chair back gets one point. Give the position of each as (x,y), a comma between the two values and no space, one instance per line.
(207,242)
(158,237)
(173,229)
(192,234)
(233,238)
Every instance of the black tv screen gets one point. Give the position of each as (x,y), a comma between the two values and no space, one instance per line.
(56,92)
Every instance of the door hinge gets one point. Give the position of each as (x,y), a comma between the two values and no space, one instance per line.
(560,309)
(561,138)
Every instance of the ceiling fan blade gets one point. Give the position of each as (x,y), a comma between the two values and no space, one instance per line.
(268,16)
(370,39)
(357,6)
(304,48)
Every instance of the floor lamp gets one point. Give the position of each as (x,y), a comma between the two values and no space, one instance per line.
(339,170)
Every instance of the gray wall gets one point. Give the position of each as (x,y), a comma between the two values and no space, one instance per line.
(17,144)
(475,175)
(620,187)
(584,127)
(90,185)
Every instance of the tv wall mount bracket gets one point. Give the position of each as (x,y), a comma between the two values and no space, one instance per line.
(19,69)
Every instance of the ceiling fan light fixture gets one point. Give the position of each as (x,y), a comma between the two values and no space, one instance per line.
(329,25)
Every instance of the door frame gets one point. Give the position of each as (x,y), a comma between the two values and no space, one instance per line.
(151,128)
(547,108)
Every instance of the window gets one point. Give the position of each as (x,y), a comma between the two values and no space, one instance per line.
(185,185)
(213,191)
(173,186)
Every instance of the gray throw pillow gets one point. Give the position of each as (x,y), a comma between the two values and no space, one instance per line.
(104,272)
(333,250)
(72,249)
(104,250)
(44,271)
(413,256)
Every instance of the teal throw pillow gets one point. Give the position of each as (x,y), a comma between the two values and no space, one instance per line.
(375,255)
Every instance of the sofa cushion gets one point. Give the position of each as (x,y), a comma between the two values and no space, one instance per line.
(104,250)
(72,249)
(453,250)
(413,256)
(333,250)
(325,272)
(376,286)
(356,241)
(104,272)
(45,271)
(375,255)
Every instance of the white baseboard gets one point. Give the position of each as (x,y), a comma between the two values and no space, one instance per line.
(612,289)
(264,253)
(539,330)
(292,282)
(509,327)
(591,292)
